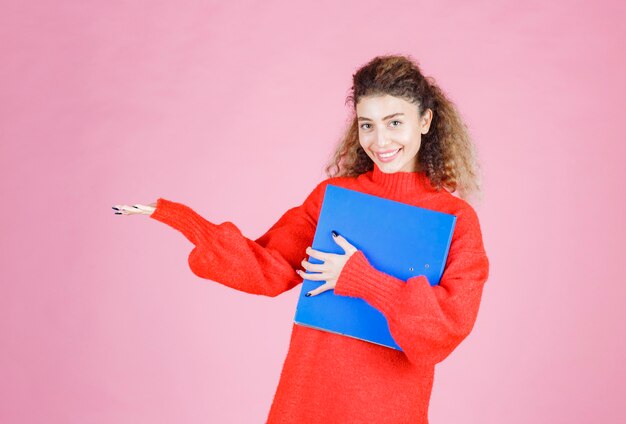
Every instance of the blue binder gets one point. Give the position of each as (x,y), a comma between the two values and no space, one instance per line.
(398,239)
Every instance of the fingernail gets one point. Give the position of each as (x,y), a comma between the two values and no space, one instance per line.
(334,233)
(118,213)
(117,209)
(308,294)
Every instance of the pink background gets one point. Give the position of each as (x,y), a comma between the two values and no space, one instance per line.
(233,109)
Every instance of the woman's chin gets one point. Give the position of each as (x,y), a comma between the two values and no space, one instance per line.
(388,167)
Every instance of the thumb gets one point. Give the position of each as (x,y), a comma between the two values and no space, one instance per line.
(343,243)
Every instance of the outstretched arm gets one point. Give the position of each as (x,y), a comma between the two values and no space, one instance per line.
(265,266)
(427,322)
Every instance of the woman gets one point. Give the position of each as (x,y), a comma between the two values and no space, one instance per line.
(406,142)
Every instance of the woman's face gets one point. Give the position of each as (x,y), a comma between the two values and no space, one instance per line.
(390,131)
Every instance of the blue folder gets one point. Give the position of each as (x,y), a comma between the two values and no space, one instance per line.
(398,239)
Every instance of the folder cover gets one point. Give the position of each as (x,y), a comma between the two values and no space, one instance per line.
(398,239)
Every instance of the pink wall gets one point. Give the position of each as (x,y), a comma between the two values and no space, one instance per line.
(213,105)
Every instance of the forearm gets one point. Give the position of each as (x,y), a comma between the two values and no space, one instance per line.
(427,322)
(265,266)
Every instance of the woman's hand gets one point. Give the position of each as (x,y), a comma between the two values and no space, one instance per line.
(331,268)
(136,209)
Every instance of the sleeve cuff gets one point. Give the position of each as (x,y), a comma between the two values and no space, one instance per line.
(359,278)
(184,219)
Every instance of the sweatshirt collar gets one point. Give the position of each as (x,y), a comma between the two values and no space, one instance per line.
(401,183)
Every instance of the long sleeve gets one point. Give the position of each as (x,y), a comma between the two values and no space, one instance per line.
(427,322)
(265,266)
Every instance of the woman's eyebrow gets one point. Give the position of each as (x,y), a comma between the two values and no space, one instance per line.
(362,118)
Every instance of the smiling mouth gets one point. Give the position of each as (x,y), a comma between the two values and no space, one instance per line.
(388,156)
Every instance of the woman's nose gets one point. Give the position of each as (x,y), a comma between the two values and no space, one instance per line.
(381,139)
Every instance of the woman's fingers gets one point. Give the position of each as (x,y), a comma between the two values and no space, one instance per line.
(121,209)
(146,209)
(312,276)
(312,267)
(322,256)
(320,289)
(130,210)
(136,209)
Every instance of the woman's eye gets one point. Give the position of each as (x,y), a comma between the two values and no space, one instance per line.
(397,122)
(362,126)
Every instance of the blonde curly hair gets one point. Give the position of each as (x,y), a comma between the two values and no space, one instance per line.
(447,154)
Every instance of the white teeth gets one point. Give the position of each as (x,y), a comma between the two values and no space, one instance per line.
(388,155)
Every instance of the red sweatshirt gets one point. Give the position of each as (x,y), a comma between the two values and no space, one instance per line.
(329,378)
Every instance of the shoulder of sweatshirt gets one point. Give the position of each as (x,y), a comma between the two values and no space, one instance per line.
(449,203)
(317,194)
(313,202)
(467,225)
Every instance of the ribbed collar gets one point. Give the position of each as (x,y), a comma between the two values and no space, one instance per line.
(400,183)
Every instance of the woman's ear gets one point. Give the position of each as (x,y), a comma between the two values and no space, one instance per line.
(425,120)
